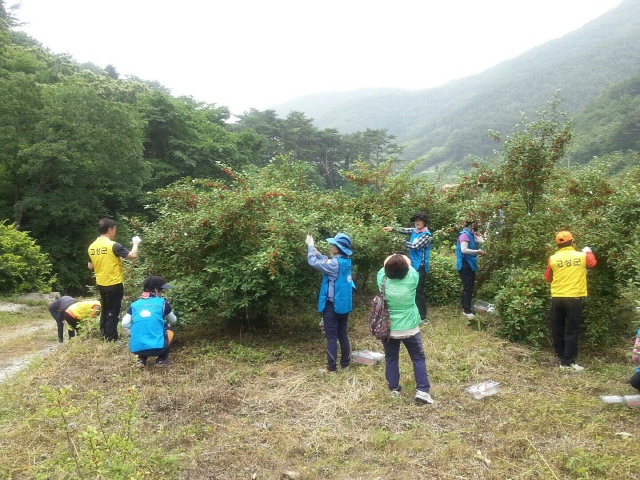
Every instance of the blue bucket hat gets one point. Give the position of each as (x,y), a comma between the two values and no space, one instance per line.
(343,242)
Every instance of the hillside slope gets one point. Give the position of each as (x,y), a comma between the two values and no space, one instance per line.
(447,123)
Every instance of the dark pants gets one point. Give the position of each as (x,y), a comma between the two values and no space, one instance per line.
(421,300)
(111,300)
(335,329)
(468,278)
(416,353)
(566,317)
(635,381)
(71,322)
(161,353)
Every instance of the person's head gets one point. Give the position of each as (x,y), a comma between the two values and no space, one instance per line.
(341,243)
(420,220)
(396,266)
(564,239)
(472,225)
(107,227)
(155,284)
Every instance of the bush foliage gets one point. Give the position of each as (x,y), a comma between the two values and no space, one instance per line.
(23,267)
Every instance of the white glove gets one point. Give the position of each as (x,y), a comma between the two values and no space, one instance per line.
(136,240)
(586,249)
(309,240)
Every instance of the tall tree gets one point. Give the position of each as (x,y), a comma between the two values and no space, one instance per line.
(83,160)
(186,138)
(531,151)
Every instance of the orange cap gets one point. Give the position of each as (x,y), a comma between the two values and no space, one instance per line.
(563,236)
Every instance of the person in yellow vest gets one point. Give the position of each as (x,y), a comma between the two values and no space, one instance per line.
(105,259)
(567,273)
(67,310)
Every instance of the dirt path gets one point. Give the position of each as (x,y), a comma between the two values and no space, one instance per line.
(21,342)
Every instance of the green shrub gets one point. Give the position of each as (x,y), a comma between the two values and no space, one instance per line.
(442,285)
(236,249)
(23,267)
(522,305)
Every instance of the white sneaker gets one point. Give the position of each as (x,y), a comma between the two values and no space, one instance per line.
(574,366)
(326,371)
(468,315)
(395,393)
(423,397)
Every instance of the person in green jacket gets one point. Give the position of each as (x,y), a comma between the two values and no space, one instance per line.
(401,281)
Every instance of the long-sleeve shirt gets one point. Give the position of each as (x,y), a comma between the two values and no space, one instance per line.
(58,307)
(422,241)
(326,265)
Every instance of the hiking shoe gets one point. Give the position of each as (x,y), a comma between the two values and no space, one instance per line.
(574,366)
(395,393)
(423,397)
(468,315)
(424,321)
(346,369)
(140,364)
(164,363)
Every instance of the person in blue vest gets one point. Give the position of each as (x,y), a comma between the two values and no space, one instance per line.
(419,245)
(335,299)
(467,251)
(150,320)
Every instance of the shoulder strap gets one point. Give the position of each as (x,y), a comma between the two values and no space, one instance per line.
(384,281)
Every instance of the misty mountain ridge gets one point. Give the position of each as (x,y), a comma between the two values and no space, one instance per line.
(446,124)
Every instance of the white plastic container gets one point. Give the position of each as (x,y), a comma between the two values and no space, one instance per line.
(367,357)
(484,389)
(629,400)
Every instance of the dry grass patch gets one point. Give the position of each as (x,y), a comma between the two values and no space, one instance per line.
(252,406)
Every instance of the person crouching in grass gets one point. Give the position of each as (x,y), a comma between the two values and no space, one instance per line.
(150,320)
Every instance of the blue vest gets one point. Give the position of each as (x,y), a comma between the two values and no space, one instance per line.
(342,288)
(147,324)
(472,260)
(422,255)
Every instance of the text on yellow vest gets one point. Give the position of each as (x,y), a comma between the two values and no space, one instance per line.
(106,265)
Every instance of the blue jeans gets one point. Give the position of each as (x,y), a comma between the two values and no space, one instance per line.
(416,353)
(468,278)
(335,329)
(421,300)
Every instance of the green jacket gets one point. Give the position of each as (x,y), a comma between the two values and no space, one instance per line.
(401,298)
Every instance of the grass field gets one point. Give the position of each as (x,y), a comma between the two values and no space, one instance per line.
(241,404)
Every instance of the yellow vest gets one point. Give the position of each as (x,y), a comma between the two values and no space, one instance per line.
(84,310)
(569,269)
(108,267)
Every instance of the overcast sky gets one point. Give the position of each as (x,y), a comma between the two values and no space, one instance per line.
(259,53)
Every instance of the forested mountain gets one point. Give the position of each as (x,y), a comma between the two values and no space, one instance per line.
(448,123)
(609,122)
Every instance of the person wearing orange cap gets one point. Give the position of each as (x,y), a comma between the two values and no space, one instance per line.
(567,273)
